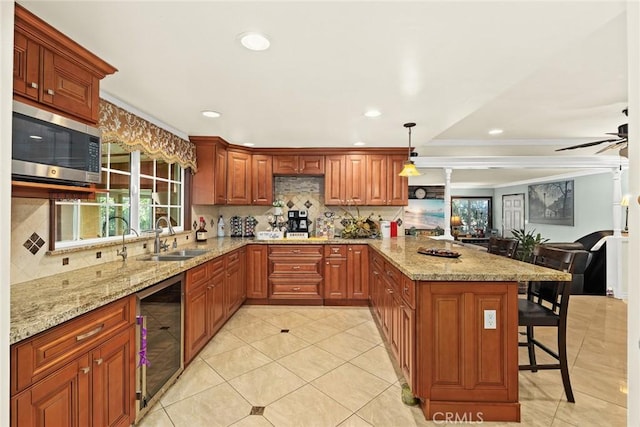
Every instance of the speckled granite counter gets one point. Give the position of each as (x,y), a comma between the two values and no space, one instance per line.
(40,304)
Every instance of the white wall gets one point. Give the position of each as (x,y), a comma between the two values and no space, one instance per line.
(6,81)
(593,208)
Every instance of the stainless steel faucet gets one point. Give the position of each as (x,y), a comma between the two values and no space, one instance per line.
(157,245)
(123,252)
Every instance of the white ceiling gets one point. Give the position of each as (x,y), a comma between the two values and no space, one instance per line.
(550,73)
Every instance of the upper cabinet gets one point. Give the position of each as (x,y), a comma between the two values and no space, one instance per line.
(261,179)
(385,187)
(345,179)
(238,177)
(53,72)
(298,165)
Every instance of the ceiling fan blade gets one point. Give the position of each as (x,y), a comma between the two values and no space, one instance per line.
(587,144)
(620,144)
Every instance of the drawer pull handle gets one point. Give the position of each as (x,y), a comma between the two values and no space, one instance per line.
(85,370)
(90,333)
(295,289)
(50,92)
(295,267)
(295,251)
(98,361)
(34,85)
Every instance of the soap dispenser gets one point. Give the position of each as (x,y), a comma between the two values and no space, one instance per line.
(220,227)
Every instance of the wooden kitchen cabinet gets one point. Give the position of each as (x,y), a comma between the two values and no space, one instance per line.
(295,273)
(298,165)
(52,71)
(214,291)
(81,373)
(209,184)
(345,179)
(262,179)
(257,281)
(238,178)
(346,273)
(385,186)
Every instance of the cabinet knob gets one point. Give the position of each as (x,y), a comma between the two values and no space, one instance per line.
(50,92)
(34,85)
(327,262)
(85,370)
(98,361)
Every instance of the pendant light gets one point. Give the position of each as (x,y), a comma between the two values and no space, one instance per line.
(409,168)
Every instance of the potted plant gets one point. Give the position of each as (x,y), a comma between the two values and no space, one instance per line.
(527,240)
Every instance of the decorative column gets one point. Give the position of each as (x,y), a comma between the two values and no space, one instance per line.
(447,204)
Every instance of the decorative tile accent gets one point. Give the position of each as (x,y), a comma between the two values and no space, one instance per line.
(65,261)
(284,331)
(308,204)
(195,225)
(257,410)
(33,243)
(399,222)
(290,204)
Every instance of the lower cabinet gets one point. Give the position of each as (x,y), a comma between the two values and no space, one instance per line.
(395,313)
(92,387)
(213,292)
(346,273)
(295,273)
(257,272)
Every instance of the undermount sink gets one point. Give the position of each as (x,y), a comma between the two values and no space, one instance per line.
(181,255)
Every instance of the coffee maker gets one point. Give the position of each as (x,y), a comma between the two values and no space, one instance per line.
(298,221)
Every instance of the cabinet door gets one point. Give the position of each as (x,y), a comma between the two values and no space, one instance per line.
(356,179)
(216,303)
(408,344)
(196,333)
(285,165)
(335,278)
(311,165)
(114,381)
(377,179)
(238,178)
(60,400)
(335,180)
(397,186)
(203,184)
(26,67)
(220,176)
(358,272)
(257,271)
(261,180)
(234,286)
(69,87)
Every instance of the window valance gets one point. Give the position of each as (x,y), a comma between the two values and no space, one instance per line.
(134,133)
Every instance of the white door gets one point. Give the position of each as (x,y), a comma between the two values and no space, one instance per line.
(512,213)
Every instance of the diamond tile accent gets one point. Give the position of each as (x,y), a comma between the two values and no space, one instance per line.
(399,222)
(308,204)
(34,243)
(290,204)
(257,410)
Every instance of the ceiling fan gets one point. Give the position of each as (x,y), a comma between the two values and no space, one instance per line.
(620,142)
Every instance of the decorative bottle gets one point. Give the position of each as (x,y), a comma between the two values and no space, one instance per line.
(220,227)
(201,232)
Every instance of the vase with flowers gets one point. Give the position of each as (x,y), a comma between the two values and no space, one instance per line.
(357,226)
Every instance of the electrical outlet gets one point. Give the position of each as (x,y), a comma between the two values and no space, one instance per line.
(490,319)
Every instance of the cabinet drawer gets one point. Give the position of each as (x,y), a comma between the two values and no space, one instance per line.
(295,250)
(295,266)
(215,266)
(196,276)
(408,291)
(233,257)
(33,359)
(377,262)
(335,251)
(393,276)
(295,287)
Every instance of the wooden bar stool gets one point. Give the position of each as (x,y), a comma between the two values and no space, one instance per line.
(546,305)
(503,246)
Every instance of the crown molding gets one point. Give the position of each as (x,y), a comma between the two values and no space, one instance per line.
(520,162)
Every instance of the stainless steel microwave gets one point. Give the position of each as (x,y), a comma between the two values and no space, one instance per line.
(52,148)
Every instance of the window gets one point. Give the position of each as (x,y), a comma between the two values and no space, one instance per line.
(117,208)
(474,214)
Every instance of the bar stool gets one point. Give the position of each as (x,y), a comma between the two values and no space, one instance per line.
(547,304)
(502,246)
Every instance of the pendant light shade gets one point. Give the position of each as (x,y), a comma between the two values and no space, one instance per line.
(409,168)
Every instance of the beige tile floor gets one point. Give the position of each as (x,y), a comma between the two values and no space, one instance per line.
(332,369)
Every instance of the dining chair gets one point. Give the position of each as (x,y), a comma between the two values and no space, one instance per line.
(546,305)
(502,246)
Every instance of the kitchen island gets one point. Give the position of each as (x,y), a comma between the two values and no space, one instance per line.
(462,366)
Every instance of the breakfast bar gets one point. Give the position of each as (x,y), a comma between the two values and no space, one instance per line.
(450,322)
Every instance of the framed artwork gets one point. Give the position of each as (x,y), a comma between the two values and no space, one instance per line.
(426,214)
(551,203)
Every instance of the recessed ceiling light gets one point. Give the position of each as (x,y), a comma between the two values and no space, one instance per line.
(248,144)
(254,41)
(210,113)
(495,131)
(359,143)
(372,114)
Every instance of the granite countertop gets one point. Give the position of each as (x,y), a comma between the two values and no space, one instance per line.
(40,304)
